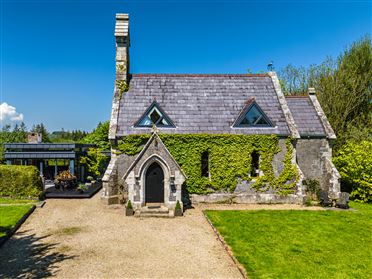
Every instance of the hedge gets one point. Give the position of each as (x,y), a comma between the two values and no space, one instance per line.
(20,181)
(354,162)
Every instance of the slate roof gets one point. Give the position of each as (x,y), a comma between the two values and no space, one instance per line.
(200,103)
(305,116)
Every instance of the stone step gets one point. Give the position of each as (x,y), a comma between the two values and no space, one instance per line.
(154,211)
(154,215)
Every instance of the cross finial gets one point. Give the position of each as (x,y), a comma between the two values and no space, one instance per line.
(155,129)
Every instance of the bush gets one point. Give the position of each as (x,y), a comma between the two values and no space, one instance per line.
(20,181)
(312,188)
(129,205)
(354,162)
(178,205)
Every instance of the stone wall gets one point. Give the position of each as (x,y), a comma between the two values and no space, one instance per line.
(314,157)
(278,164)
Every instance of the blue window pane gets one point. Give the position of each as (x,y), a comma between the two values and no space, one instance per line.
(154,116)
(254,117)
(145,122)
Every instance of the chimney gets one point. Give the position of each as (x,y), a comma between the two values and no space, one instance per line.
(34,138)
(122,47)
(311,91)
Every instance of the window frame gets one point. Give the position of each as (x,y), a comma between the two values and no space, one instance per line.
(245,111)
(154,105)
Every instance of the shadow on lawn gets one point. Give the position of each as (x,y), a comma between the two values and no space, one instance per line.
(28,256)
(4,230)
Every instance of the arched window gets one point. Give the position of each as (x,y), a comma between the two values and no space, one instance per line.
(205,164)
(255,164)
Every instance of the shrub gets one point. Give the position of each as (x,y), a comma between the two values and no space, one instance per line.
(307,201)
(312,187)
(20,181)
(178,205)
(82,187)
(129,205)
(354,162)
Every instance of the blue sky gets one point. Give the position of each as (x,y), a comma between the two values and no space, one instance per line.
(57,57)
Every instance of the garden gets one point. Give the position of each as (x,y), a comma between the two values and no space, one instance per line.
(299,244)
(11,212)
(20,189)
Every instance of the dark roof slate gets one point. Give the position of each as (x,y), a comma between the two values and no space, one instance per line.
(200,103)
(305,117)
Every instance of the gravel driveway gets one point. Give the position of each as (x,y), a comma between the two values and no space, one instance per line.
(85,239)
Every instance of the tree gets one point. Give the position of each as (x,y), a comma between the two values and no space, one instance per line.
(346,93)
(343,86)
(296,80)
(95,161)
(354,163)
(99,136)
(7,135)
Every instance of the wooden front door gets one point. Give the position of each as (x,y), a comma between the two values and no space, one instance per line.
(154,185)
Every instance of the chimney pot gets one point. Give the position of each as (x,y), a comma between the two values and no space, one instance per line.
(311,91)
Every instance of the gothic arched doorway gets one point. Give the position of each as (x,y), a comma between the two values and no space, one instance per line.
(154,184)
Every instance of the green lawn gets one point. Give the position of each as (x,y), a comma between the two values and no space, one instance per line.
(300,244)
(13,201)
(9,216)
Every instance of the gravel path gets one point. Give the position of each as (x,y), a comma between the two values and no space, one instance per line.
(85,239)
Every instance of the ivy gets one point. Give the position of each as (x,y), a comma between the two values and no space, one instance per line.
(131,145)
(285,183)
(229,159)
(122,86)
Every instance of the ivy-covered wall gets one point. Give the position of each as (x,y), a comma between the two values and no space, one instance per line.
(229,159)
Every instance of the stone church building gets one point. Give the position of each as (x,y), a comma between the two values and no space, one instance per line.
(212,105)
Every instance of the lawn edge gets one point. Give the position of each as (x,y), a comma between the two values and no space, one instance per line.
(17,226)
(226,247)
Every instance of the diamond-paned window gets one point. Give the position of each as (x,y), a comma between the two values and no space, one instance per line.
(154,115)
(253,116)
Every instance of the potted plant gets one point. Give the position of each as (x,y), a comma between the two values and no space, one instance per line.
(65,180)
(129,209)
(178,209)
(82,188)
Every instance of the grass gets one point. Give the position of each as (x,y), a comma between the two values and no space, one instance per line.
(300,244)
(14,201)
(9,216)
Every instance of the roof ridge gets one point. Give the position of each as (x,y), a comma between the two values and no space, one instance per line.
(198,75)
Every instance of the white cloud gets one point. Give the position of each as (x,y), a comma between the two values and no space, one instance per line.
(9,114)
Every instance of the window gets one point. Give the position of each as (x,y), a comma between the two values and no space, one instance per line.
(154,115)
(253,116)
(255,164)
(205,164)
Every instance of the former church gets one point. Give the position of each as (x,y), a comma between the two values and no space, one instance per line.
(212,138)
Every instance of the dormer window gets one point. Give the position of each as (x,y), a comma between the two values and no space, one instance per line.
(154,115)
(252,116)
